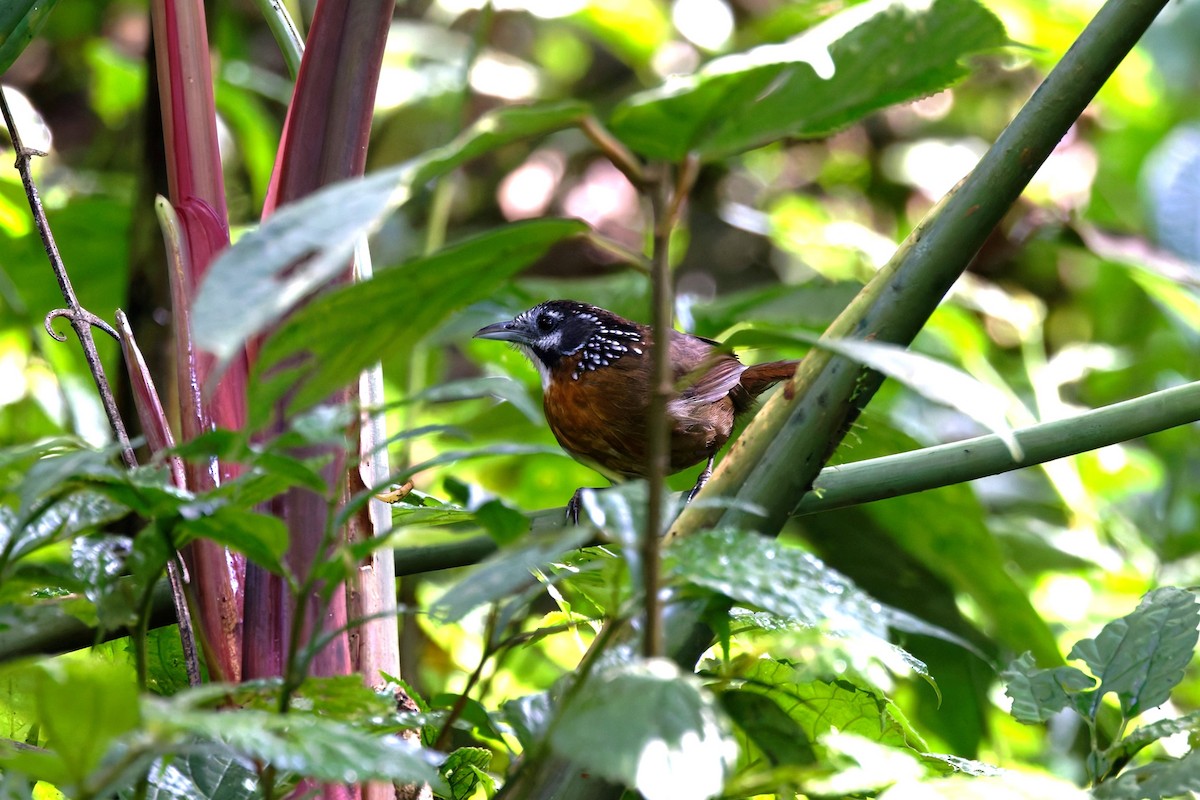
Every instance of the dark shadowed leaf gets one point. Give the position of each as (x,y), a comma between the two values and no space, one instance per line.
(650,727)
(774,733)
(1141,657)
(856,62)
(20,21)
(305,244)
(328,342)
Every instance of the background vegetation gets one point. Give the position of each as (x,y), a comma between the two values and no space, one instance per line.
(1085,295)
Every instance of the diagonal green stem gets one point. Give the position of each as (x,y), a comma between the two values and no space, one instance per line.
(775,461)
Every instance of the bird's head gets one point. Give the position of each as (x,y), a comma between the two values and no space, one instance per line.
(557,329)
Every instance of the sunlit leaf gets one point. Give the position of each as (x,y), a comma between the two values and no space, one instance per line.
(1011,785)
(932,379)
(856,62)
(752,569)
(820,706)
(650,727)
(81,732)
(326,344)
(305,244)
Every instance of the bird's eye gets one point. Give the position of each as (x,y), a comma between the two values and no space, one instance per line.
(545,323)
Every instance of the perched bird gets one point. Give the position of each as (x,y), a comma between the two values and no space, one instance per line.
(596,378)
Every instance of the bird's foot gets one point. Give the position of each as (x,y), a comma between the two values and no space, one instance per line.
(575,505)
(702,479)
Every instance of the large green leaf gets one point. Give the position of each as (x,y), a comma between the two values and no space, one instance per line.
(821,706)
(82,707)
(866,58)
(650,727)
(1141,657)
(786,581)
(307,243)
(304,744)
(328,342)
(20,21)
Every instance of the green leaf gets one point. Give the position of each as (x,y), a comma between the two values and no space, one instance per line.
(261,538)
(503,523)
(20,21)
(464,769)
(80,512)
(820,706)
(866,58)
(1039,694)
(772,731)
(202,775)
(1170,778)
(1147,735)
(506,572)
(306,744)
(305,244)
(82,707)
(649,726)
(1141,657)
(326,344)
(98,562)
(750,568)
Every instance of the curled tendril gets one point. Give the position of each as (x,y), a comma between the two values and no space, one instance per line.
(82,315)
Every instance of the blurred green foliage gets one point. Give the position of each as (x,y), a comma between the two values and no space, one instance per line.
(1088,293)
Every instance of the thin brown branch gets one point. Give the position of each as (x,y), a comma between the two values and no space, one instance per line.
(81,319)
(658,425)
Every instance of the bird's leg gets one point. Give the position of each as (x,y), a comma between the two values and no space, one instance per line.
(705,474)
(575,504)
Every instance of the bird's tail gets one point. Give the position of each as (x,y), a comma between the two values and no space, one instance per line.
(758,378)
